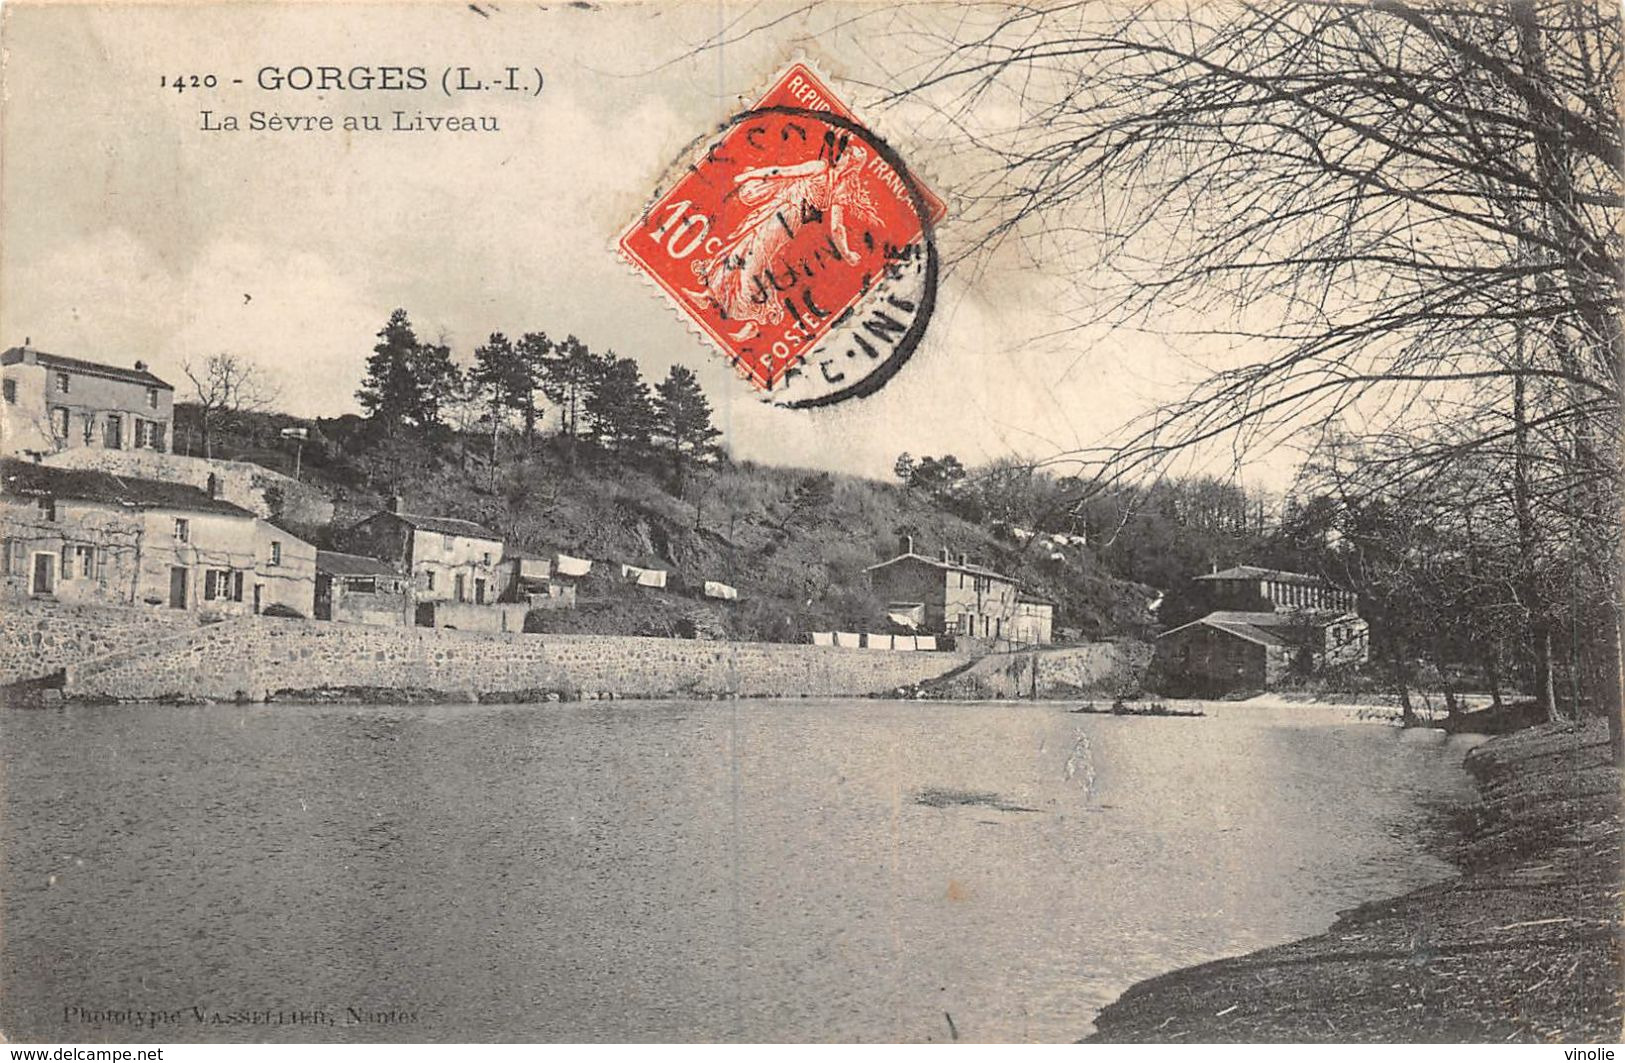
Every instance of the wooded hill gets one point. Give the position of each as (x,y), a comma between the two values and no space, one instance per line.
(793,541)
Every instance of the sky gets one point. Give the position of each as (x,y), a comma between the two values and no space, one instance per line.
(127,231)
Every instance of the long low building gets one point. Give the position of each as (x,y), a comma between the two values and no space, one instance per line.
(1264,625)
(361,590)
(81,536)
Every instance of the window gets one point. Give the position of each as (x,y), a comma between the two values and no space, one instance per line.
(152,398)
(459,588)
(362,585)
(222,583)
(445,542)
(63,383)
(78,561)
(11,392)
(59,421)
(113,437)
(90,429)
(431,580)
(16,558)
(479,590)
(47,508)
(276,552)
(485,558)
(148,435)
(183,529)
(961,581)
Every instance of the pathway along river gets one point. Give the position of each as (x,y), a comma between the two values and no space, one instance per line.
(770,870)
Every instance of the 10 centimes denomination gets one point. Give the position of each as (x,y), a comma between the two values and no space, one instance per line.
(800,244)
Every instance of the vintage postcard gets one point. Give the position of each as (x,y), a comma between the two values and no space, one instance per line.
(790,521)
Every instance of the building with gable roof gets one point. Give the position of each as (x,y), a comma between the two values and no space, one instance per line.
(445,558)
(942,595)
(1262,625)
(52,403)
(85,536)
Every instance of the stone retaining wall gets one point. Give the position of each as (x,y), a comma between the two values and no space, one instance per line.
(254,657)
(1099,669)
(40,638)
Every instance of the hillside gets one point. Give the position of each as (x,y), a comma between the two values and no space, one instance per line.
(794,542)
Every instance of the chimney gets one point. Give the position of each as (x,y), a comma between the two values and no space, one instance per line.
(393,504)
(964,559)
(214,486)
(905,544)
(947,558)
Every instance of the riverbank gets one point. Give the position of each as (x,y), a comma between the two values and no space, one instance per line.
(1523,946)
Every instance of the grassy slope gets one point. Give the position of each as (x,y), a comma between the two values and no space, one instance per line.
(737,523)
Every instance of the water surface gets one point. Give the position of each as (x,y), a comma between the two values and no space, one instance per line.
(757,870)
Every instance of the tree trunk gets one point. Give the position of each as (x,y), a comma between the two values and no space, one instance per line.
(1545,677)
(1613,691)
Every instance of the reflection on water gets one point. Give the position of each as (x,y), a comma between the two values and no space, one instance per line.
(792,870)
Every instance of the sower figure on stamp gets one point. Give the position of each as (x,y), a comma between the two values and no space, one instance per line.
(780,197)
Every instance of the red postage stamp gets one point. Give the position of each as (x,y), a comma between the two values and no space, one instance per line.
(789,236)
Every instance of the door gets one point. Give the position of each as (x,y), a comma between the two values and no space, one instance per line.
(457,588)
(259,591)
(479,592)
(43,580)
(177,588)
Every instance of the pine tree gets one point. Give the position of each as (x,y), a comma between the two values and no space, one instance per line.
(683,421)
(494,374)
(408,381)
(569,372)
(438,380)
(531,354)
(622,412)
(390,393)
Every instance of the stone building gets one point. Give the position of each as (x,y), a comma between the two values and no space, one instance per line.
(941,595)
(81,536)
(448,560)
(1034,623)
(361,590)
(531,579)
(52,403)
(1263,625)
(1249,588)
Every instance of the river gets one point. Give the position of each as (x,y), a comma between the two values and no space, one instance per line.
(749,870)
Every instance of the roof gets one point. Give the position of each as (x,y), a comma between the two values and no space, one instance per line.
(45,481)
(338,564)
(15,355)
(447,526)
(1251,572)
(1264,628)
(946,566)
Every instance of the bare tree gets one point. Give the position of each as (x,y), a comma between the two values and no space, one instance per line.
(225,386)
(1404,217)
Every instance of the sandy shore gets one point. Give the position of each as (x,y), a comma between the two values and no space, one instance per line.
(1524,946)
